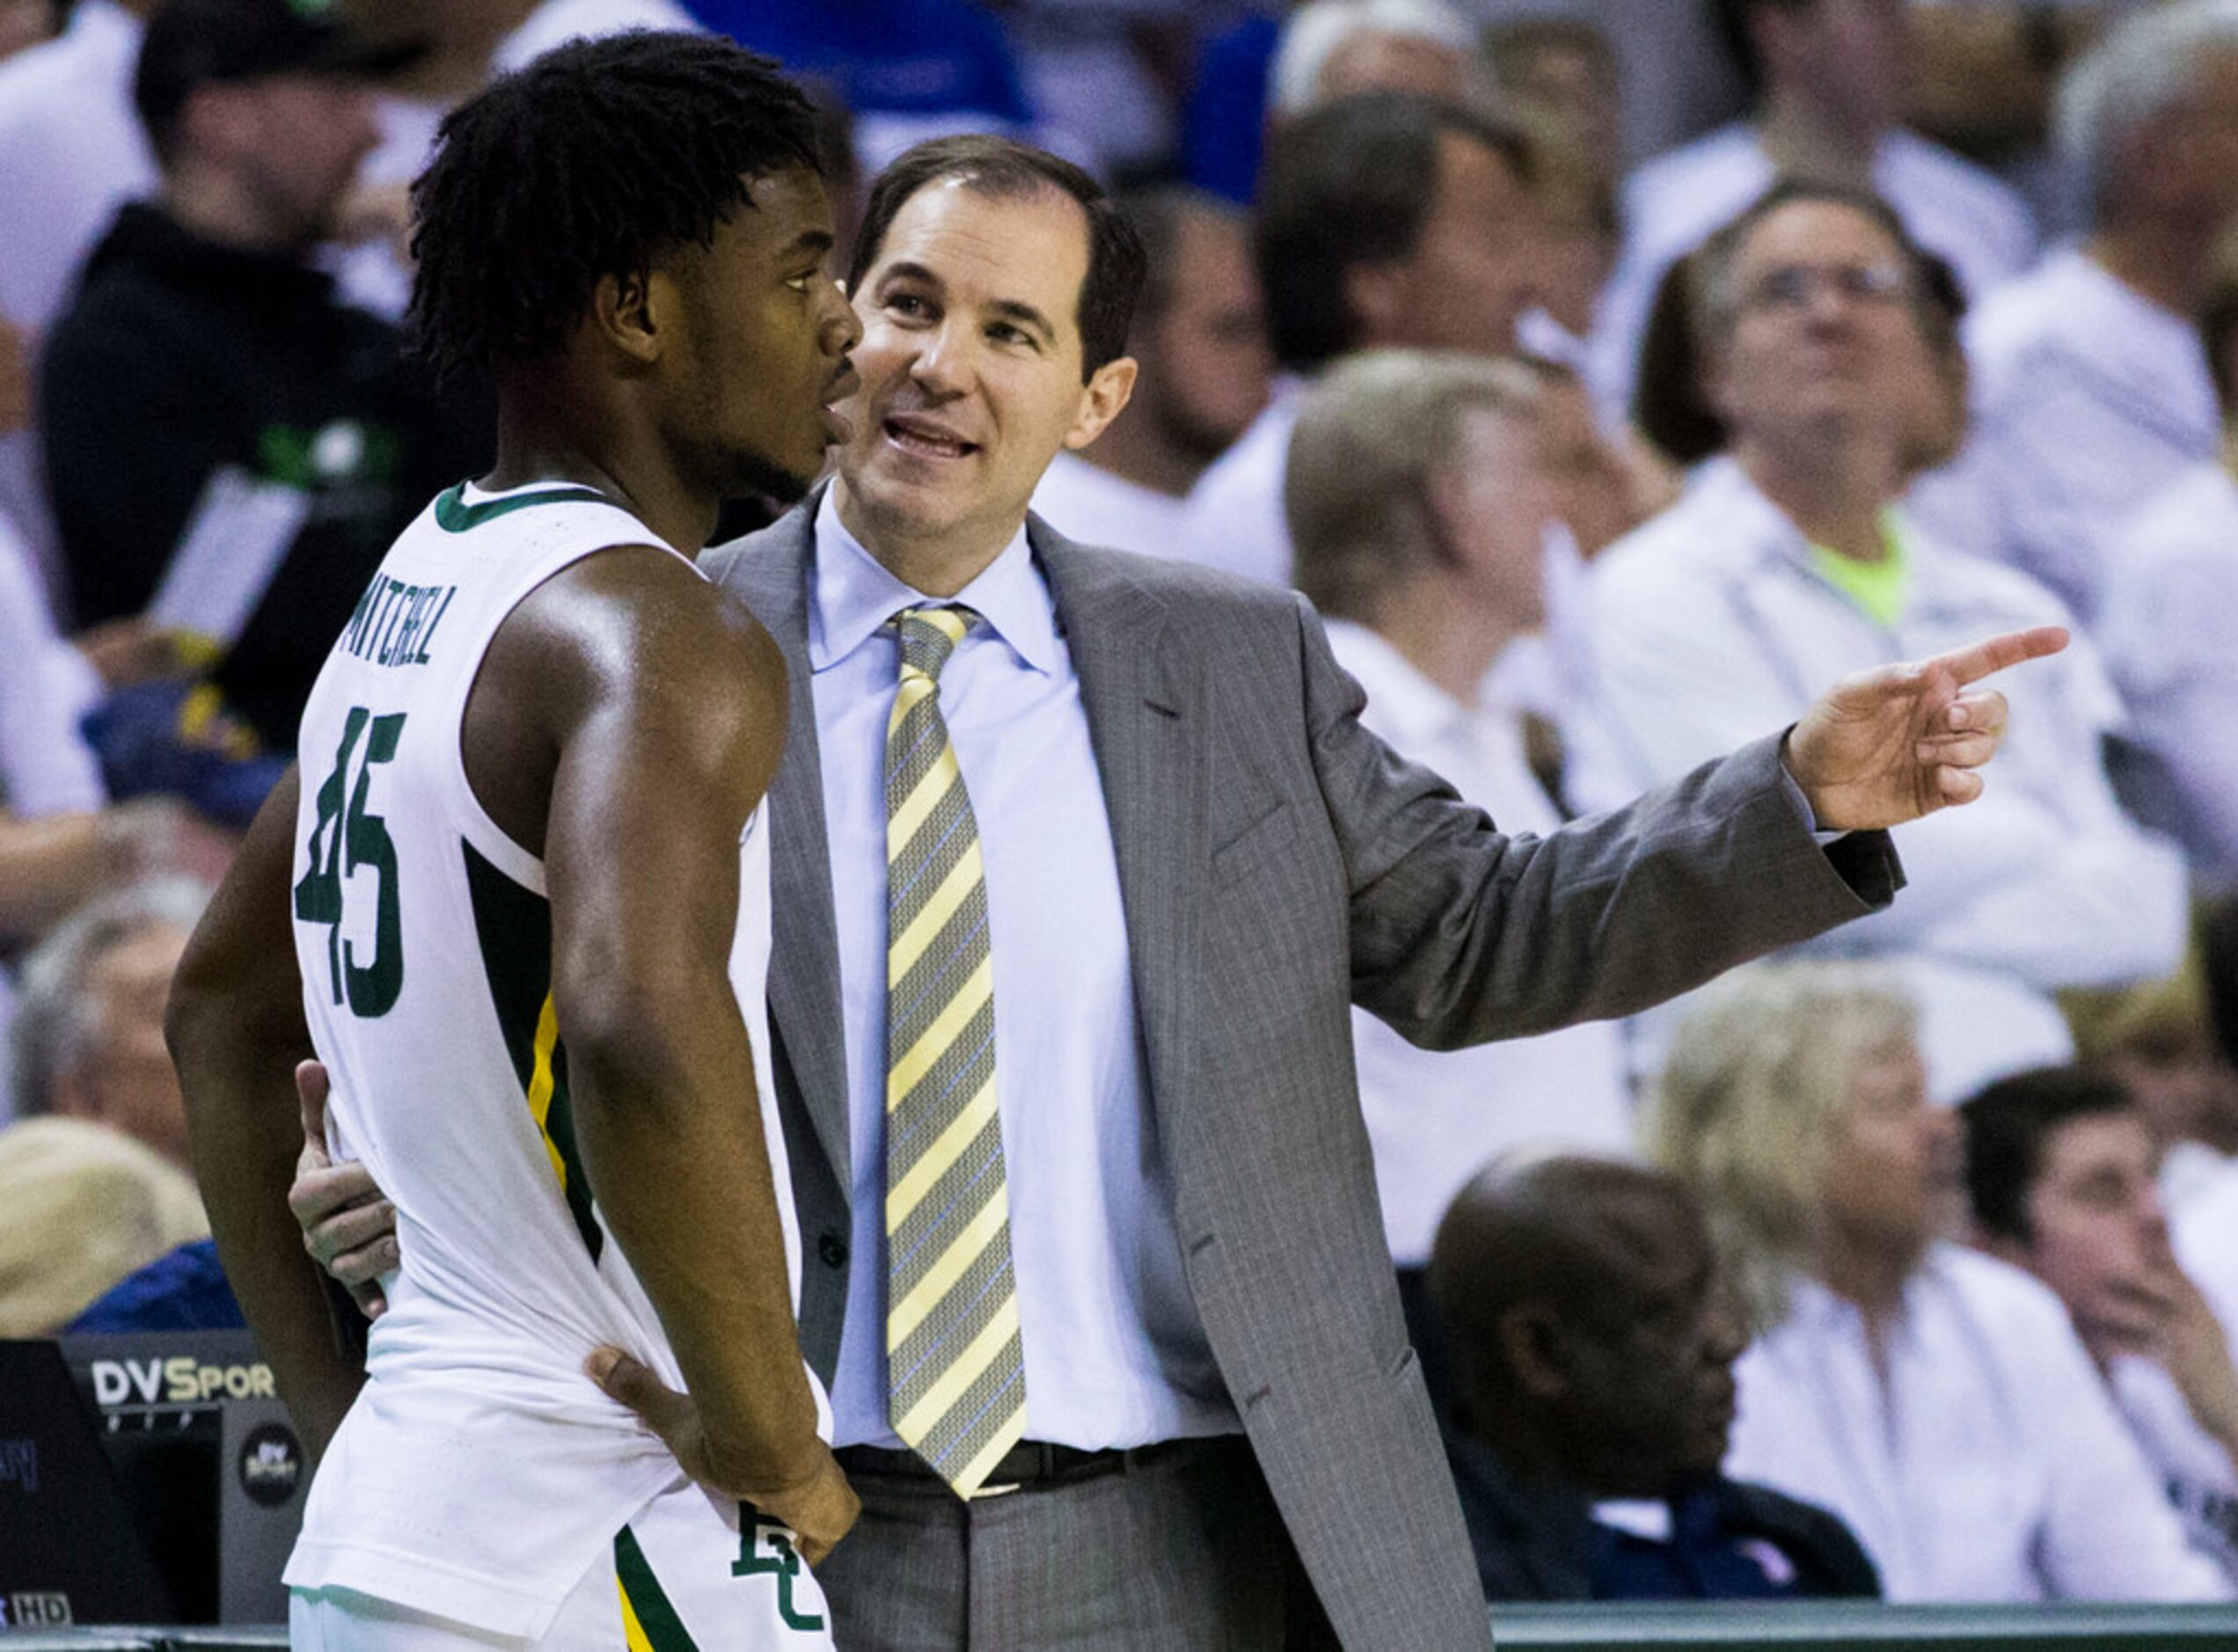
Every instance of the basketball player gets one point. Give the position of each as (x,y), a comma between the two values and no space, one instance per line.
(527,873)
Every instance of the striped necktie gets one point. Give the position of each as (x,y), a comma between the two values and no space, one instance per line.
(956,1387)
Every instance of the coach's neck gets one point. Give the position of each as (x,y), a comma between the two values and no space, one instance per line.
(937,558)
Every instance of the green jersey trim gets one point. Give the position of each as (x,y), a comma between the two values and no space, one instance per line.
(454,514)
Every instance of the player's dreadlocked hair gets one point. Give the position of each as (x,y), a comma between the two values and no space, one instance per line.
(599,158)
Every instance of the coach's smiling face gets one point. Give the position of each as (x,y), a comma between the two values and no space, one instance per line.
(971,376)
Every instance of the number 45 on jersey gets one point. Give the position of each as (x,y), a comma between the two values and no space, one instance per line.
(343,842)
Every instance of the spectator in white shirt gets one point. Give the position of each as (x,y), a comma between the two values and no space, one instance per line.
(1937,1400)
(1832,75)
(1386,220)
(1419,493)
(71,151)
(1199,340)
(2061,1171)
(2091,392)
(1787,564)
(2168,611)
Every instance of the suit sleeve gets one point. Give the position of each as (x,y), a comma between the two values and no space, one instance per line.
(1461,934)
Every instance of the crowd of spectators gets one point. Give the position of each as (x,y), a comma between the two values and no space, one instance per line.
(1613,378)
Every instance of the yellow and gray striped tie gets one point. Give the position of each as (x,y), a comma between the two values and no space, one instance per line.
(956,1373)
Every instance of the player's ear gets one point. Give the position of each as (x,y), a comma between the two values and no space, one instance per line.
(626,312)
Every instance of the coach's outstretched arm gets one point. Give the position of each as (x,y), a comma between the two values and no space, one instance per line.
(667,706)
(236,1029)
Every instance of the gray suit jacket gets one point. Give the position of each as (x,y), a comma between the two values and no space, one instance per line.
(1277,863)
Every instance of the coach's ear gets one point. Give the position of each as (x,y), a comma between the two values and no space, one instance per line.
(627,312)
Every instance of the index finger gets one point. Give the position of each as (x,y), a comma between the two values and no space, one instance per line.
(1977,660)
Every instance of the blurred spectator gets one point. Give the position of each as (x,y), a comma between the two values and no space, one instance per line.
(1264,71)
(1671,405)
(276,440)
(1578,216)
(2091,392)
(183,1289)
(1984,71)
(1224,118)
(1559,72)
(1937,1400)
(2169,595)
(45,765)
(460,45)
(88,1040)
(1200,340)
(909,70)
(2061,1168)
(2157,1041)
(71,151)
(1340,49)
(24,24)
(1419,494)
(2204,1223)
(1109,75)
(80,1208)
(1557,77)
(1830,77)
(58,844)
(1386,220)
(1595,1339)
(1786,565)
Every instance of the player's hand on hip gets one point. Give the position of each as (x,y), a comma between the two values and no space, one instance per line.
(819,1506)
(1889,745)
(348,1227)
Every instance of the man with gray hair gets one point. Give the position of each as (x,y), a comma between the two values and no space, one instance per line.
(1829,78)
(1418,495)
(2091,392)
(87,1042)
(1336,48)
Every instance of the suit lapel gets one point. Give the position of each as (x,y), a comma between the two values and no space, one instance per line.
(769,572)
(1141,701)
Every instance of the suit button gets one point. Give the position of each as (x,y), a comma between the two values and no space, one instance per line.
(833,1249)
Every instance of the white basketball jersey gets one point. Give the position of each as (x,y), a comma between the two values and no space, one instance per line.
(480,1472)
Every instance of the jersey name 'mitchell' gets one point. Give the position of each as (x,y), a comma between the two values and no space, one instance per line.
(394,622)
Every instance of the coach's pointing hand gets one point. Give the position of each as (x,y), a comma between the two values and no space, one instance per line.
(819,1507)
(1890,745)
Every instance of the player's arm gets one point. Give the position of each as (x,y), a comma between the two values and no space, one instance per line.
(236,1029)
(668,709)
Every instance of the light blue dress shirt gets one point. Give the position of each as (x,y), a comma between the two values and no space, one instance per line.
(1115,1355)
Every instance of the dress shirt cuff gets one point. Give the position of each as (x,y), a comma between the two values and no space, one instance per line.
(1803,811)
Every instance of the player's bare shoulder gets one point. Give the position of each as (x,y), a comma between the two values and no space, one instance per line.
(630,644)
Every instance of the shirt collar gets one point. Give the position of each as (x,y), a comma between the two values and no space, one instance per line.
(1642,1517)
(851,597)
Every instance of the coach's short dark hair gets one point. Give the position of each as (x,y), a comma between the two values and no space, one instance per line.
(1006,169)
(1352,182)
(2008,1125)
(599,158)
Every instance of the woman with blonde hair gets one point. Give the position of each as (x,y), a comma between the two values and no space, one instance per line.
(1935,1399)
(81,1206)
